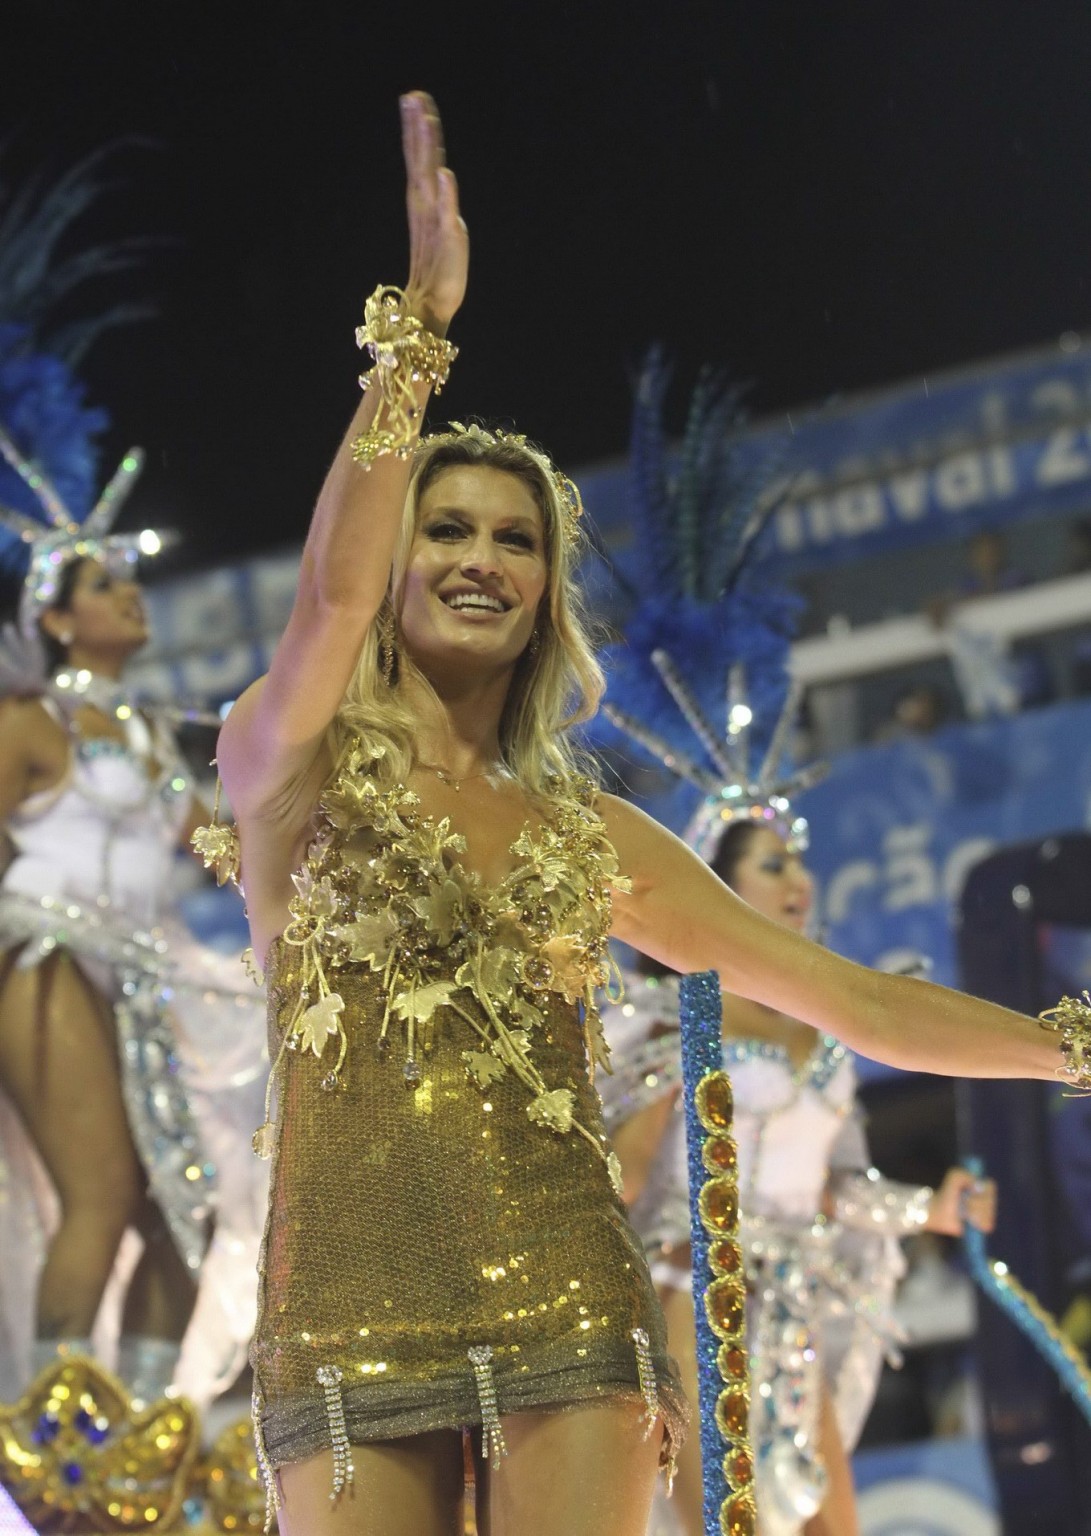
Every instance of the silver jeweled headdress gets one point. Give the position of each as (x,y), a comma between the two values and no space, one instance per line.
(52,543)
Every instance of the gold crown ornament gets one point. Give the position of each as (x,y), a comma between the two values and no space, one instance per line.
(76,1456)
(233,1489)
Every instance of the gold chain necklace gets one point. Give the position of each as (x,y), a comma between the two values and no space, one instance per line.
(456,784)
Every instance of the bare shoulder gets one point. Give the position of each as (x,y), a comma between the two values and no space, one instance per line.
(29,731)
(34,751)
(623,817)
(274,807)
(269,779)
(637,836)
(231,748)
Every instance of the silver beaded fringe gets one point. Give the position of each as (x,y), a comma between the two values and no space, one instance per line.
(268,1476)
(646,1374)
(492,1435)
(329,1379)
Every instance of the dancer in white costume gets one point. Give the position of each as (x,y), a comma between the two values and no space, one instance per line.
(819,1227)
(131,1059)
(701,682)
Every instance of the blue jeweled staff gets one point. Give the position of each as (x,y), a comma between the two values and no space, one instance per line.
(719,1284)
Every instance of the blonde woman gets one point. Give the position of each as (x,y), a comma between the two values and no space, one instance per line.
(431,882)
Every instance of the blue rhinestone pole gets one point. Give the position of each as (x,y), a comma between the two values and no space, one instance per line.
(1027,1313)
(719,1286)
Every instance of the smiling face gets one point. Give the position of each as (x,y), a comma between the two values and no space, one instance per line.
(772,879)
(477,571)
(102,618)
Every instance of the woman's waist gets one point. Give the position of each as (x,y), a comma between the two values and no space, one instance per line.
(70,916)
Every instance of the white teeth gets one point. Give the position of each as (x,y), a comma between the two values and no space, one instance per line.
(475,600)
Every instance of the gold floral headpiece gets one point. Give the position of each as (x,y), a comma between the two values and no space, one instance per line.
(567,491)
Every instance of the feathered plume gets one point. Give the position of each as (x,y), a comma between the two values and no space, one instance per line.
(700,682)
(35,277)
(49,509)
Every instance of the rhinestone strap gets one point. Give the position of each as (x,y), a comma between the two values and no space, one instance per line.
(329,1379)
(649,1391)
(492,1435)
(265,1469)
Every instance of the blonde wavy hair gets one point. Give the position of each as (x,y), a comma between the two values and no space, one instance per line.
(557,682)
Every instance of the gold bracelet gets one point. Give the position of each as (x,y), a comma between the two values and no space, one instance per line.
(1071,1019)
(404,353)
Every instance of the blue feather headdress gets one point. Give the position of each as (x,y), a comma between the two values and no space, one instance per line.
(701,681)
(49,510)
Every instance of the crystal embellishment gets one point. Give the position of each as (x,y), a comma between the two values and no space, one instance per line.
(329,1379)
(646,1375)
(492,1435)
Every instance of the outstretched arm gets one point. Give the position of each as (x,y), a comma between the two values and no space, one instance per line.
(681,914)
(272,743)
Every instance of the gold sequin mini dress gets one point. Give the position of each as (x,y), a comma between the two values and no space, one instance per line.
(445,1242)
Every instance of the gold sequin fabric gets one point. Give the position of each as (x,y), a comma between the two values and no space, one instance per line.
(442,1183)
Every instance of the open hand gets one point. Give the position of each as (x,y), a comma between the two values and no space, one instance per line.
(962,1200)
(439,246)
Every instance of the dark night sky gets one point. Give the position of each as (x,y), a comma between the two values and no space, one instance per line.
(822,196)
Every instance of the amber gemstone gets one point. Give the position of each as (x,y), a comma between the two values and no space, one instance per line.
(725,1256)
(725,1306)
(718,1203)
(738,1516)
(719,1155)
(714,1101)
(739,1468)
(733,1413)
(732,1362)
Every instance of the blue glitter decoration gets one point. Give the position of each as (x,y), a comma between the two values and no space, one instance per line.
(1027,1313)
(46,1429)
(701,1023)
(72,1472)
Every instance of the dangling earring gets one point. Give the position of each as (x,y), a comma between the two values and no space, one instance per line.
(535,643)
(387,651)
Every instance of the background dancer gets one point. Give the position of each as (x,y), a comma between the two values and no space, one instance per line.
(818,1225)
(130,1057)
(430,883)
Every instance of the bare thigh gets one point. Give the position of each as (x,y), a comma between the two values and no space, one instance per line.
(837,1517)
(58,1064)
(410,1487)
(688,1500)
(580,1472)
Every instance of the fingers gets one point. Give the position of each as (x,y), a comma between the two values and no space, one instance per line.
(422,141)
(977,1200)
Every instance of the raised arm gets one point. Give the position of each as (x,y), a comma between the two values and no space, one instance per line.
(682,915)
(273,741)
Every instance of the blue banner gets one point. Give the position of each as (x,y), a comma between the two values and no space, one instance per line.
(933,1488)
(948,455)
(895,828)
